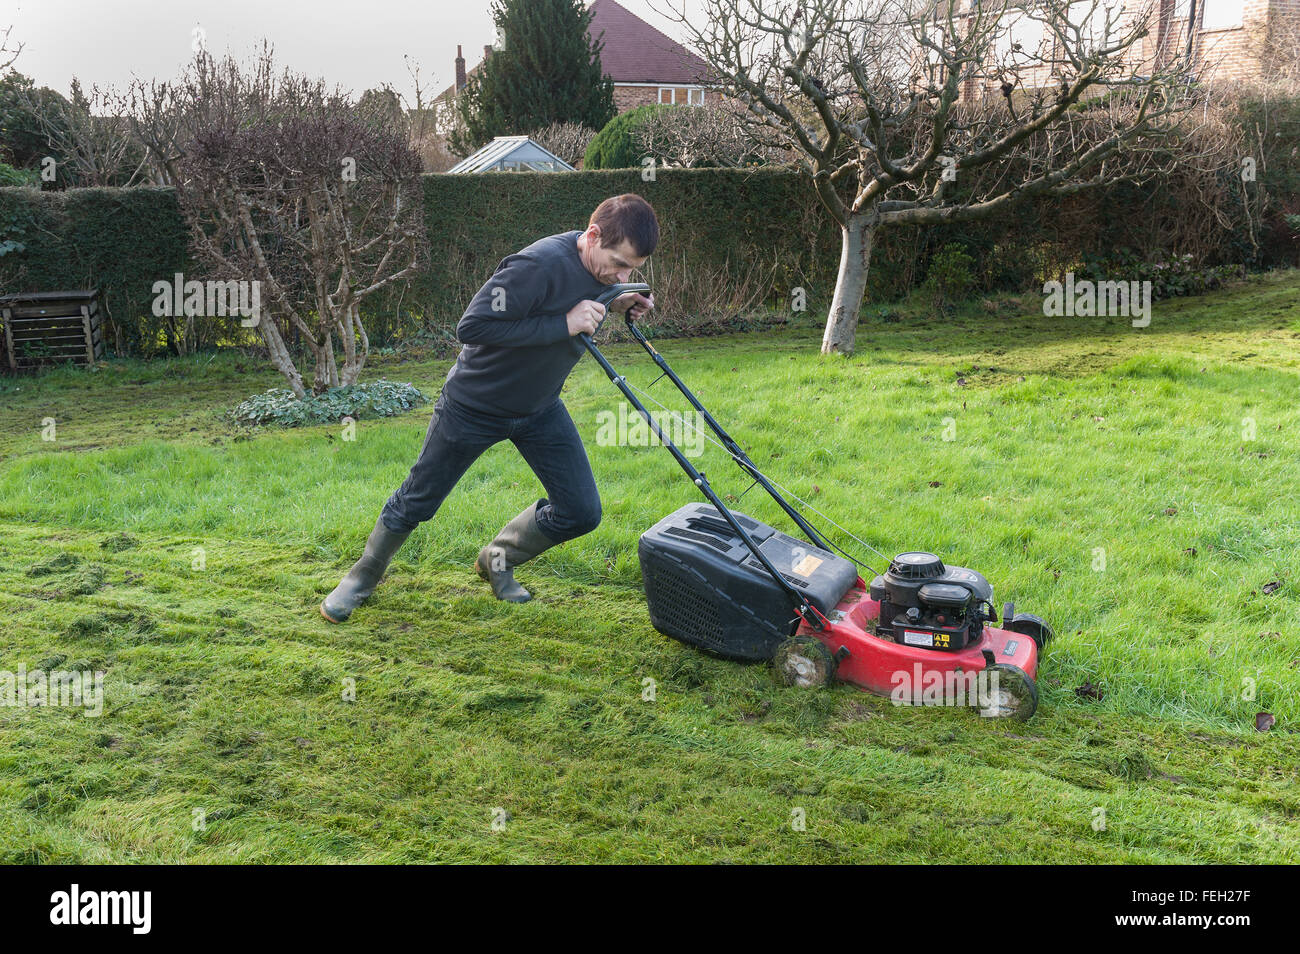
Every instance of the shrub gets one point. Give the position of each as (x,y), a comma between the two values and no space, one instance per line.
(950,278)
(1270,122)
(615,146)
(1169,277)
(9,176)
(698,137)
(380,398)
(569,141)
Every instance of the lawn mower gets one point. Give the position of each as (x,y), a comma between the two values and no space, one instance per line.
(735,587)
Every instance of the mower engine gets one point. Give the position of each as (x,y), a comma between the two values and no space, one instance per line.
(924,603)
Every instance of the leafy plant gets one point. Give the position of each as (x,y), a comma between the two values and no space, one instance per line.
(616,146)
(382,398)
(16,222)
(950,278)
(1169,277)
(10,176)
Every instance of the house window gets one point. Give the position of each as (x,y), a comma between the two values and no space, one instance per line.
(1019,35)
(1213,14)
(1221,14)
(681,96)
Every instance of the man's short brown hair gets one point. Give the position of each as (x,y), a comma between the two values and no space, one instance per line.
(630,217)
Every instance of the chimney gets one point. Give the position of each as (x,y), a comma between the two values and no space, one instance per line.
(460,70)
(487,50)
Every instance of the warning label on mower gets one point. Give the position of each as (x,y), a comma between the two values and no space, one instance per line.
(913,638)
(806,566)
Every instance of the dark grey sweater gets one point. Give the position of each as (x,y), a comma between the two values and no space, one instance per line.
(517,348)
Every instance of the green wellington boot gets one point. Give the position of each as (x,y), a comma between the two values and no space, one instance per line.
(364,575)
(518,542)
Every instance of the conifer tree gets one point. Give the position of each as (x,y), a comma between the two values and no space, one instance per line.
(545,69)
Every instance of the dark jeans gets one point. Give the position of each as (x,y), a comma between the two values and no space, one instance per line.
(458,436)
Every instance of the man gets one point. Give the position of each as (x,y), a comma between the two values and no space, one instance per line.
(520,343)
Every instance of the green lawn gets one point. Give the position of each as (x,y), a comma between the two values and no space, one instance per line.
(186,559)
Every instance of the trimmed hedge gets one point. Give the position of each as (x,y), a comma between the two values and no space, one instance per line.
(711,219)
(118,240)
(758,231)
(124,240)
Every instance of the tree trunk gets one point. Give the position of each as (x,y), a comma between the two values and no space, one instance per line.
(169,330)
(354,357)
(279,354)
(334,367)
(850,285)
(327,373)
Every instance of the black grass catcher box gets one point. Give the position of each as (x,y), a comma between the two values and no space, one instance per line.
(705,588)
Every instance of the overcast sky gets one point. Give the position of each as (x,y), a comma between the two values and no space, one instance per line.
(353,44)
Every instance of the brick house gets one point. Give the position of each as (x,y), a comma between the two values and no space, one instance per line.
(646,65)
(1227,38)
(1229,35)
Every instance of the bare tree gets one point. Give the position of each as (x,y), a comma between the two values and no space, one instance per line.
(1279,50)
(421,119)
(569,141)
(288,184)
(425,123)
(8,53)
(419,115)
(157,113)
(713,134)
(98,150)
(922,112)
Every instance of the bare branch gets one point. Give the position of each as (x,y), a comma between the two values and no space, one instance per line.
(925,111)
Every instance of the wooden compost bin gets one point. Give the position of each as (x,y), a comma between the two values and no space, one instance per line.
(45,327)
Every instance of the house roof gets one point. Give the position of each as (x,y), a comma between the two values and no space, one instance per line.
(515,149)
(450,91)
(635,52)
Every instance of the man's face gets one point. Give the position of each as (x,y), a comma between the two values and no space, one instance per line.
(612,265)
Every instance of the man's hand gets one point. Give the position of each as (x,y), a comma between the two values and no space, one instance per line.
(585,316)
(634,304)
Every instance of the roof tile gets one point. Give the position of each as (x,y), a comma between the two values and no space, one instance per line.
(635,52)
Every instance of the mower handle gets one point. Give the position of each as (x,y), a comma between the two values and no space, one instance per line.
(607,296)
(621,289)
(806,610)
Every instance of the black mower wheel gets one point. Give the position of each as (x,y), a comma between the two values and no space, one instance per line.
(1016,696)
(805,662)
(1035,627)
